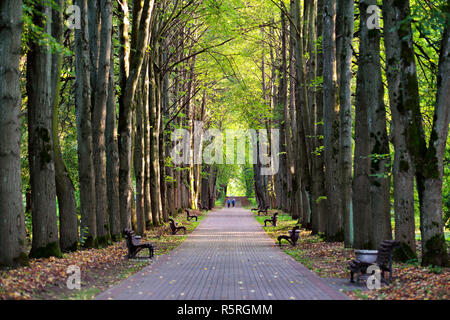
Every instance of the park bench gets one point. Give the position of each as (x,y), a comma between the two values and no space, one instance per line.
(272,220)
(292,238)
(263,210)
(202,207)
(189,216)
(134,246)
(175,228)
(383,261)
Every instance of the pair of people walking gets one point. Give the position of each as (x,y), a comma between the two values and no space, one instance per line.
(229,202)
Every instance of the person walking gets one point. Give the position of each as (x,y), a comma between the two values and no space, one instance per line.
(233,202)
(228,203)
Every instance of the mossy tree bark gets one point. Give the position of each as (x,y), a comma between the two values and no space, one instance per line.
(344,30)
(40,90)
(430,164)
(138,45)
(331,122)
(84,131)
(65,190)
(371,199)
(318,173)
(112,158)
(99,120)
(380,202)
(12,220)
(403,170)
(427,159)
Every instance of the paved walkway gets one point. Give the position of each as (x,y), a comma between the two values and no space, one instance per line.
(227,257)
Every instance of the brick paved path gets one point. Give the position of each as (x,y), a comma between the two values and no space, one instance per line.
(228,256)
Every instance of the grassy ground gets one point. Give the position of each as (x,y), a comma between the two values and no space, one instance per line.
(329,260)
(100,268)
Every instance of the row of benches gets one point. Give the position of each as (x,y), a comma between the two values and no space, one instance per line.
(383,260)
(133,242)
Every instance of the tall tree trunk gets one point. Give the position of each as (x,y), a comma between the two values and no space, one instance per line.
(331,122)
(344,30)
(164,105)
(154,146)
(65,190)
(434,247)
(99,122)
(371,198)
(403,169)
(281,111)
(147,197)
(303,118)
(138,161)
(40,90)
(112,158)
(427,160)
(84,131)
(362,217)
(318,175)
(433,239)
(125,115)
(12,220)
(295,195)
(379,143)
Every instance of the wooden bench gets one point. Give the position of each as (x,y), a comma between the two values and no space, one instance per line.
(134,246)
(272,220)
(175,228)
(292,239)
(384,262)
(189,216)
(202,207)
(263,210)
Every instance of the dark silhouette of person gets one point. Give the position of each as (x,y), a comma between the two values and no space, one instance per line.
(228,203)
(233,202)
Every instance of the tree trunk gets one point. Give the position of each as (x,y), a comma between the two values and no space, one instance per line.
(380,203)
(125,114)
(40,90)
(99,122)
(331,122)
(65,190)
(403,170)
(344,30)
(138,162)
(154,147)
(362,217)
(433,239)
(112,159)
(147,197)
(84,132)
(12,220)
(318,175)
